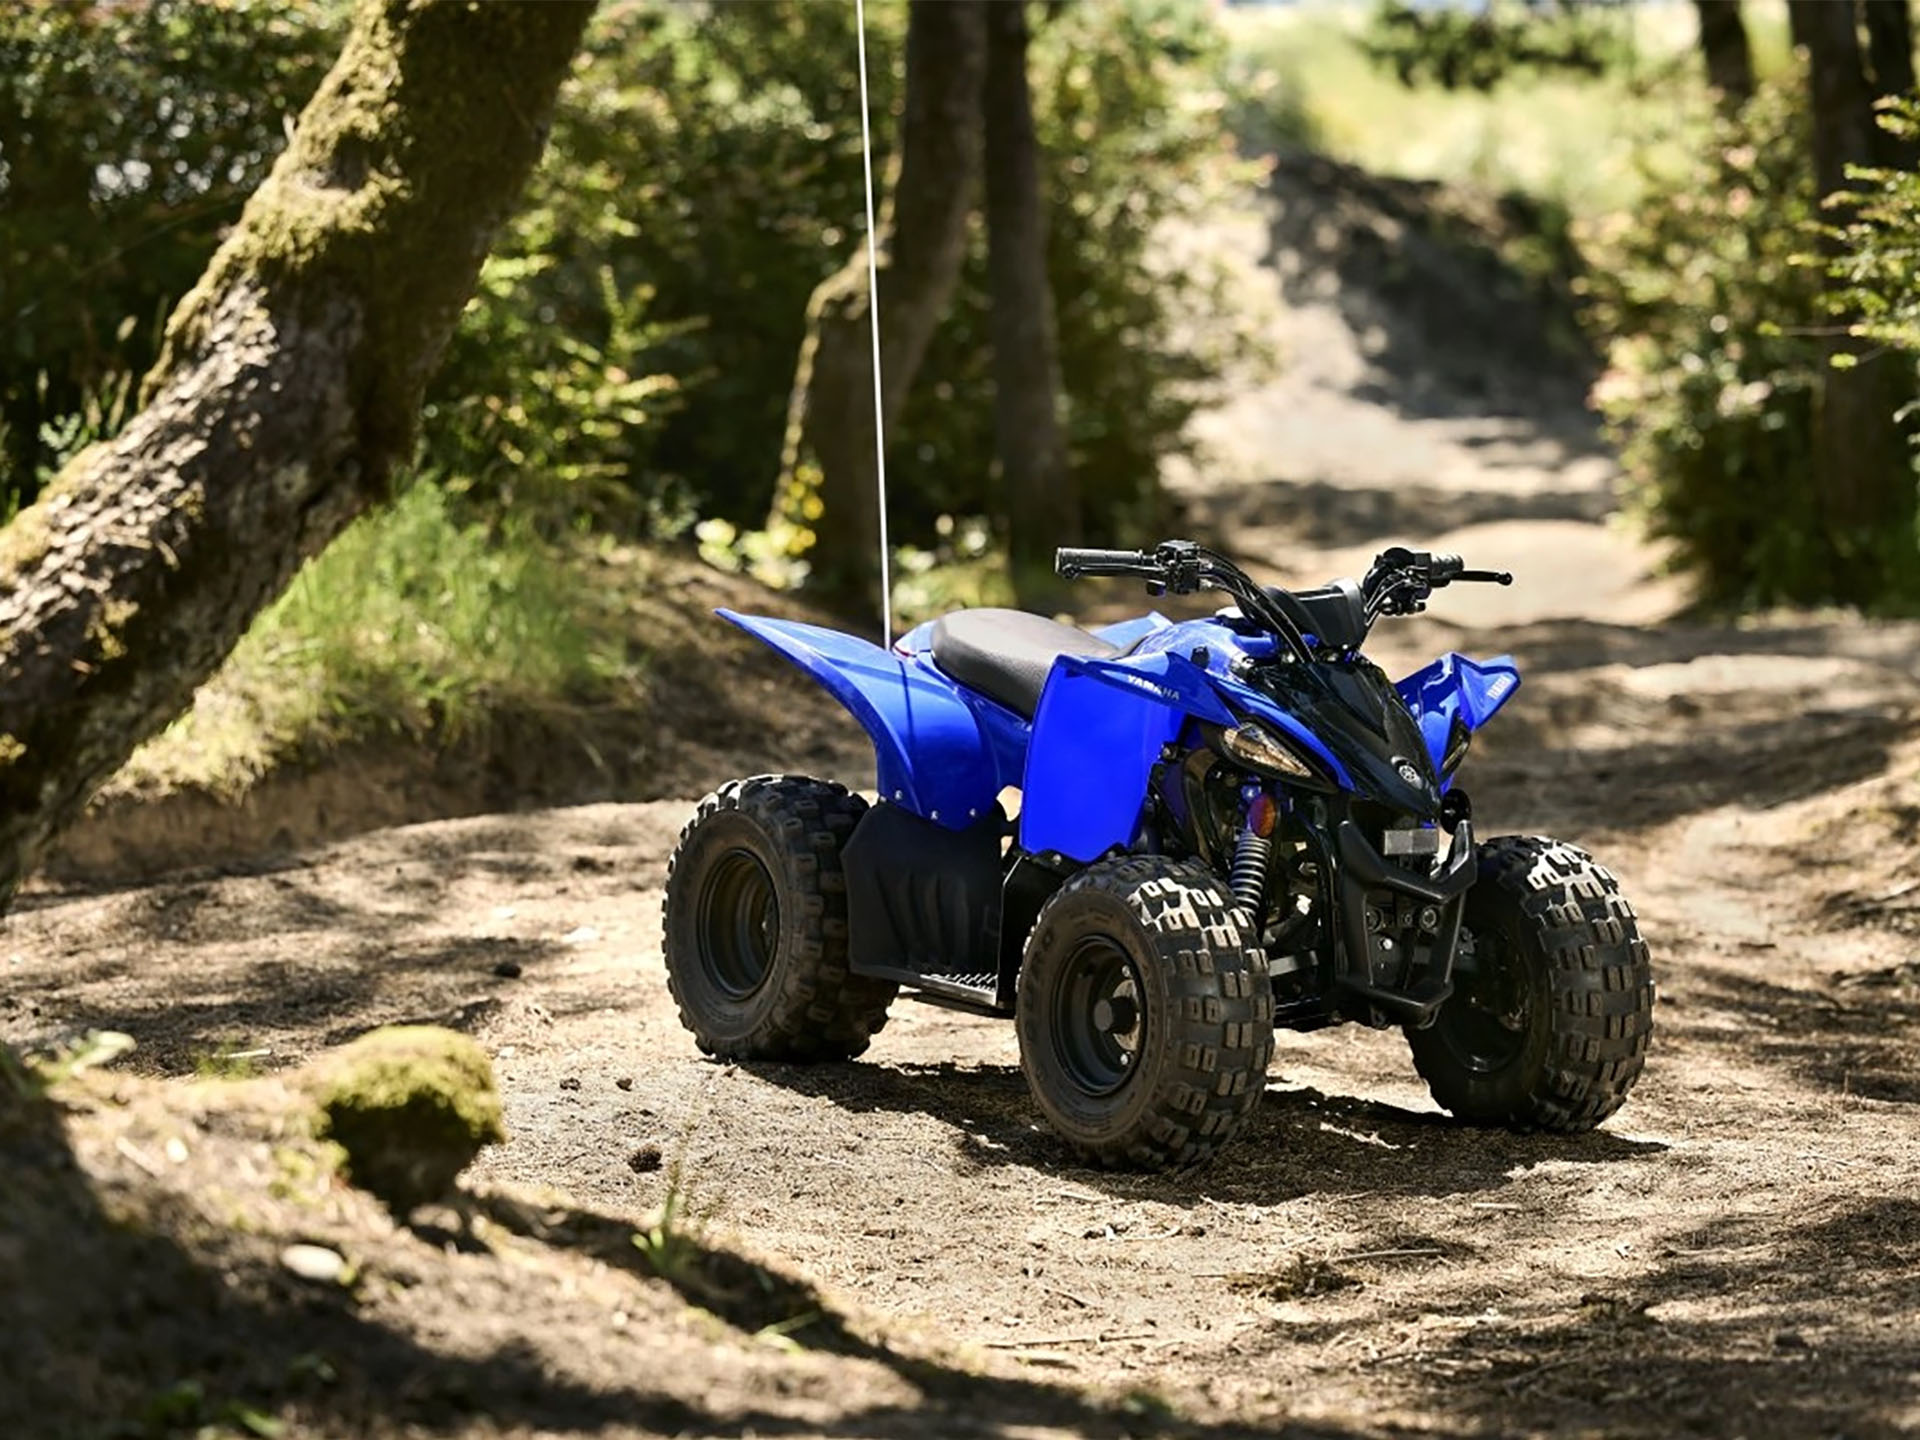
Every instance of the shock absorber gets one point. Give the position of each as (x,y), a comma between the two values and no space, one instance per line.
(1247,876)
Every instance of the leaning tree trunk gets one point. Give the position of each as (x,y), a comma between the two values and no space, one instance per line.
(1042,509)
(923,242)
(1723,44)
(286,391)
(1863,471)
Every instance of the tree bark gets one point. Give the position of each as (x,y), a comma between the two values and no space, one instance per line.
(1863,469)
(923,242)
(1723,43)
(287,389)
(1042,509)
(1890,61)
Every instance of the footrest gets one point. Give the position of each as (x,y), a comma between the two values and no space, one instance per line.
(971,992)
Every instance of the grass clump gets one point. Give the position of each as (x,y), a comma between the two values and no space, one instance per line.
(416,622)
(411,1106)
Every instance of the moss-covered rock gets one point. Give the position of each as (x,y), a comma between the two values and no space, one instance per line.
(411,1106)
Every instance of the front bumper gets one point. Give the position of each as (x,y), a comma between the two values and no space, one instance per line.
(1402,972)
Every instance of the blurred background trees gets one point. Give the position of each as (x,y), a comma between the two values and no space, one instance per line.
(626,373)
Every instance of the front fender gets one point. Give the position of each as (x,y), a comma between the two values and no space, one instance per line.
(938,753)
(1454,686)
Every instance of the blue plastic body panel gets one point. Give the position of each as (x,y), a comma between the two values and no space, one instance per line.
(1099,728)
(1130,632)
(945,752)
(941,752)
(1454,685)
(1225,650)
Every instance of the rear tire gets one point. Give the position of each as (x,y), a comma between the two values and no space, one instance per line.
(755,924)
(1552,1010)
(1145,1014)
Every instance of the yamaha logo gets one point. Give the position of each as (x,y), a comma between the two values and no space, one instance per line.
(1407,771)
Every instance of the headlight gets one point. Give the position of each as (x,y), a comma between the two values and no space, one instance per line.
(1258,748)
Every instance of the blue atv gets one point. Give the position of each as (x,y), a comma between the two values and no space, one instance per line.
(1224,825)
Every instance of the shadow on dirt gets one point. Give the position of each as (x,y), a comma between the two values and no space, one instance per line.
(1299,1141)
(115,1328)
(1860,1038)
(1679,1351)
(1315,512)
(292,1007)
(1644,782)
(1427,277)
(127,1315)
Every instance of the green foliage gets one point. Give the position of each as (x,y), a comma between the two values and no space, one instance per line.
(420,621)
(1564,138)
(1454,47)
(1879,269)
(129,137)
(1713,316)
(707,158)
(1131,126)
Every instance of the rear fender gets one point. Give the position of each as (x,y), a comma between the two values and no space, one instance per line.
(940,752)
(1099,729)
(1455,687)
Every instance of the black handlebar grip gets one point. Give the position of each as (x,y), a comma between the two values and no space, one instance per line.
(1443,568)
(1071,561)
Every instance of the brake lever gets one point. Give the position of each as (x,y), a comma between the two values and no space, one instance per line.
(1491,577)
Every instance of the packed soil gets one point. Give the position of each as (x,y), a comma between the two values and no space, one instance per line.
(897,1246)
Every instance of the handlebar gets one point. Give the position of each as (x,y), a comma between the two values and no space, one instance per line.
(1073,563)
(1398,583)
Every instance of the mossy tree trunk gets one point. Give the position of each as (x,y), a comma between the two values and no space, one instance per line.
(1723,44)
(923,242)
(287,389)
(1042,508)
(1863,466)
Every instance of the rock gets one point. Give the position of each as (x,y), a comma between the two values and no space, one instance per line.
(411,1106)
(645,1159)
(625,1082)
(315,1263)
(507,969)
(571,1082)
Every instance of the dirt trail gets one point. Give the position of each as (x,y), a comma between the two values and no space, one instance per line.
(1733,1254)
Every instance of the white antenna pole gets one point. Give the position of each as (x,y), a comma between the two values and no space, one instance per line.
(873,314)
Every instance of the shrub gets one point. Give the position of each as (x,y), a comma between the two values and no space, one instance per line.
(1711,311)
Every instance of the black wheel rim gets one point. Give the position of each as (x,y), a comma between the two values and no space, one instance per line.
(1486,1020)
(739,924)
(1099,1021)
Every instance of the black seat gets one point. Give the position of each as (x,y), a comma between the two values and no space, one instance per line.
(1006,654)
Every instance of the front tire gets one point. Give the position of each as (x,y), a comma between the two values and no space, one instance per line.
(1552,1010)
(1145,1014)
(755,924)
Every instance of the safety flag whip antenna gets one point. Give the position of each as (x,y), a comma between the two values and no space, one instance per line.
(873,315)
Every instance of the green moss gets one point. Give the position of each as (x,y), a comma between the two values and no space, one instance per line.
(375,217)
(411,1106)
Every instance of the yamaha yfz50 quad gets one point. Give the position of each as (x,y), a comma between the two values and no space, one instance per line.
(1224,825)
